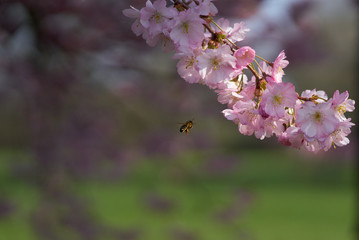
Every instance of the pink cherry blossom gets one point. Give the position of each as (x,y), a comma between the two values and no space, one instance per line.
(231,114)
(278,65)
(155,16)
(295,138)
(238,33)
(277,97)
(339,136)
(312,146)
(267,72)
(247,111)
(244,55)
(136,27)
(249,120)
(229,91)
(267,128)
(310,93)
(316,121)
(162,38)
(216,65)
(187,66)
(205,8)
(285,137)
(188,30)
(245,129)
(235,34)
(248,90)
(342,104)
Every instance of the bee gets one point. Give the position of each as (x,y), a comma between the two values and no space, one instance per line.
(186,126)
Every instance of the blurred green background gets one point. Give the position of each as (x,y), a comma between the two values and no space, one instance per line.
(89,140)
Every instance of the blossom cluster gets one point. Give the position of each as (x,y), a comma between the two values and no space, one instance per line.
(263,105)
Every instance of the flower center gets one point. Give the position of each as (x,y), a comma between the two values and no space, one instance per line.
(215,63)
(317,116)
(277,100)
(245,55)
(190,62)
(185,26)
(341,109)
(157,16)
(280,70)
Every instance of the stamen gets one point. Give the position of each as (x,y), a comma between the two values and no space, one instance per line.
(215,63)
(190,63)
(317,116)
(277,100)
(185,27)
(157,16)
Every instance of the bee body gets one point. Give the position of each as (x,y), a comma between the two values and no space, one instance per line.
(186,126)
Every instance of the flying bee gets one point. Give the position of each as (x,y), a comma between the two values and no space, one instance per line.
(186,126)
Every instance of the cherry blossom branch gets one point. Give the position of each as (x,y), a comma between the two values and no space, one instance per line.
(209,29)
(254,72)
(313,98)
(262,105)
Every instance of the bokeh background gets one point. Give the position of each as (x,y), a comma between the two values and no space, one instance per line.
(89,140)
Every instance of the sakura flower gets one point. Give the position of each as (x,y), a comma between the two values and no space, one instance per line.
(187,66)
(262,112)
(267,73)
(247,110)
(244,55)
(265,129)
(322,96)
(155,16)
(188,30)
(248,90)
(246,116)
(231,114)
(339,136)
(312,146)
(136,27)
(246,129)
(292,136)
(226,91)
(278,65)
(277,97)
(316,121)
(216,65)
(238,32)
(284,137)
(342,104)
(205,8)
(279,125)
(249,120)
(229,91)
(295,138)
(166,42)
(235,34)
(274,72)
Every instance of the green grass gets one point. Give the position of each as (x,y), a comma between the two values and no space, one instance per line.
(302,213)
(24,197)
(292,199)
